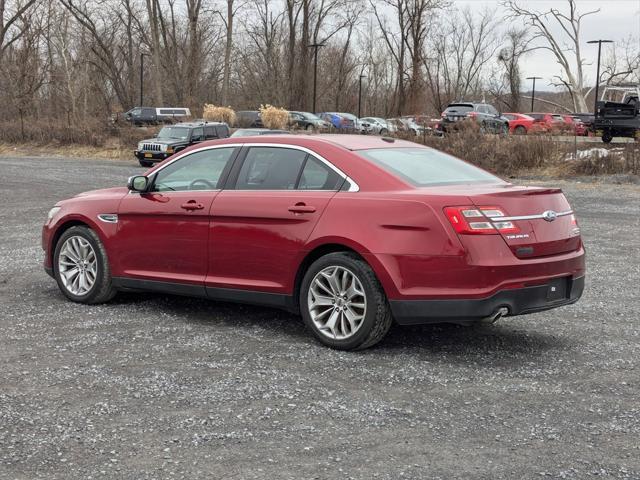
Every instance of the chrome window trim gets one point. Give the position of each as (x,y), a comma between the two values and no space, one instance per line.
(538,216)
(353,186)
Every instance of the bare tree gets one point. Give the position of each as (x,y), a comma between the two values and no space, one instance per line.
(458,54)
(559,33)
(509,57)
(11,29)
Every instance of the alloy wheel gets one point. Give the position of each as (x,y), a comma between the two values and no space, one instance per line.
(337,302)
(77,265)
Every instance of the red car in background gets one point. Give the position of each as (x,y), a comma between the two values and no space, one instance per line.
(352,232)
(547,123)
(575,125)
(519,123)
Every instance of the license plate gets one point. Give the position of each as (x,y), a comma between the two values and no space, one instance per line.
(557,289)
(148,155)
(598,133)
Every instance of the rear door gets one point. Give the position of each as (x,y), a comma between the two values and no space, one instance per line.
(261,223)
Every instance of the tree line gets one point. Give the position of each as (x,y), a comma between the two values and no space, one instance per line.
(81,59)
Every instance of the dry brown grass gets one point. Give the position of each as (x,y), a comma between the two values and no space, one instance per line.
(274,117)
(219,114)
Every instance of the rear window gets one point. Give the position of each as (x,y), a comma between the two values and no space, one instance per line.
(424,167)
(459,108)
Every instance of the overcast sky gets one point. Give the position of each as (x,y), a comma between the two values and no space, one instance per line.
(616,20)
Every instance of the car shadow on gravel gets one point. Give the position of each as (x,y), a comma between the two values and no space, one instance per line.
(443,340)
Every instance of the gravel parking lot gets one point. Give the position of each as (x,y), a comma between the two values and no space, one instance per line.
(153,386)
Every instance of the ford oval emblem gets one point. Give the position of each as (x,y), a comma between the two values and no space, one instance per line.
(549,215)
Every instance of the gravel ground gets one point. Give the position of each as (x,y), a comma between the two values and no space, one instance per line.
(153,386)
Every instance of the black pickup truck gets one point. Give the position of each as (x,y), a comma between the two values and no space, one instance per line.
(618,119)
(172,139)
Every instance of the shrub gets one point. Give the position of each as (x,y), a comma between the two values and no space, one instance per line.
(219,114)
(274,117)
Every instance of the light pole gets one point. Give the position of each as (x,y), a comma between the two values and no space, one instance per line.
(315,46)
(360,94)
(599,42)
(142,55)
(533,92)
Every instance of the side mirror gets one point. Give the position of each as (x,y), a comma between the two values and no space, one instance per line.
(138,183)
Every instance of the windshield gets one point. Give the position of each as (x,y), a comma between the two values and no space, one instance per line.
(424,167)
(174,132)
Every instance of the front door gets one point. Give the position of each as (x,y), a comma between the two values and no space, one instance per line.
(261,223)
(163,234)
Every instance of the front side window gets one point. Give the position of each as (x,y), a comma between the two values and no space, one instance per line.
(424,167)
(270,168)
(197,171)
(197,135)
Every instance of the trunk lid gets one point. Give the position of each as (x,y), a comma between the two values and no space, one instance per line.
(543,218)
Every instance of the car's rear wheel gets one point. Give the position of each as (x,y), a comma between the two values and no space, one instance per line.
(343,303)
(145,163)
(81,267)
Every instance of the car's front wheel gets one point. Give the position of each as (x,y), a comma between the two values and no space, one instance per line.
(81,266)
(343,303)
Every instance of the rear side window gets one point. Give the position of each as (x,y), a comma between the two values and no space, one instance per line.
(210,132)
(270,168)
(317,176)
(424,167)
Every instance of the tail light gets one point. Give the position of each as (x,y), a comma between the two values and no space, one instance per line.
(478,220)
(472,114)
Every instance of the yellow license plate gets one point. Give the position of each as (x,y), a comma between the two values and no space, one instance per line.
(148,155)
(598,133)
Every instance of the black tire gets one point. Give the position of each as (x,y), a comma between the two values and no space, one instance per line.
(384,132)
(607,137)
(102,290)
(377,319)
(145,163)
(520,130)
(309,127)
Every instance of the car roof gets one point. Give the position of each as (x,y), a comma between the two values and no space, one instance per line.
(195,124)
(348,142)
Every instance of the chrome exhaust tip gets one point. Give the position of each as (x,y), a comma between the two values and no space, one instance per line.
(495,316)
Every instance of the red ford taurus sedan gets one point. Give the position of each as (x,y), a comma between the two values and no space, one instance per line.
(352,232)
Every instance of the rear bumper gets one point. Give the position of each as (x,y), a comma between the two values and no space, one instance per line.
(518,302)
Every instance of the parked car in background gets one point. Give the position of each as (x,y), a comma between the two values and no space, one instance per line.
(519,123)
(154,116)
(249,132)
(574,126)
(587,120)
(350,231)
(339,120)
(307,121)
(174,138)
(487,116)
(618,113)
(377,125)
(547,123)
(248,119)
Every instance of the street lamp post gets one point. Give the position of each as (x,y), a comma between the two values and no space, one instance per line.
(315,46)
(142,55)
(533,91)
(360,95)
(599,42)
